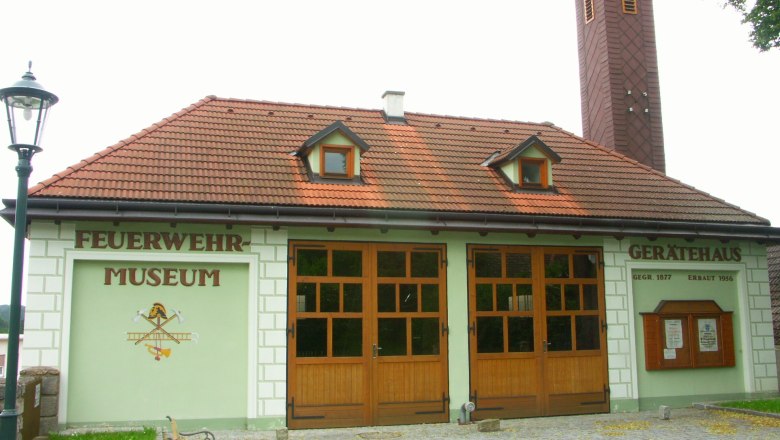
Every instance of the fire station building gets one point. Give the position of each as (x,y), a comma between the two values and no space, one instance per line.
(259,264)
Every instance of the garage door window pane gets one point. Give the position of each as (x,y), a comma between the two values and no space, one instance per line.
(386,298)
(559,333)
(408,298)
(347,263)
(590,297)
(521,334)
(430,298)
(347,337)
(587,328)
(312,262)
(518,265)
(425,264)
(312,337)
(392,336)
(556,266)
(525,299)
(490,335)
(306,299)
(391,264)
(425,336)
(485,297)
(488,264)
(353,297)
(585,266)
(553,296)
(504,297)
(329,297)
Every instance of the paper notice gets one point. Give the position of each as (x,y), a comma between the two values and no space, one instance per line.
(673,331)
(670,353)
(708,335)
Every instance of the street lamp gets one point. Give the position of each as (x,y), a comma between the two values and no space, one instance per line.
(26,103)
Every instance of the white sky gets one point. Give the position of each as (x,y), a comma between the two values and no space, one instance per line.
(118,67)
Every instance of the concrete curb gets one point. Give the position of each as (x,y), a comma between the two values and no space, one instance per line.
(751,412)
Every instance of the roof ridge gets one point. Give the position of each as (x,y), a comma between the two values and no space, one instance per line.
(124,142)
(333,107)
(293,104)
(660,174)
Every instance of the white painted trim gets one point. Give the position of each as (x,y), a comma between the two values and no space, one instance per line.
(72,256)
(742,298)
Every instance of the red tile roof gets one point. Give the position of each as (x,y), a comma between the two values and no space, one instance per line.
(232,151)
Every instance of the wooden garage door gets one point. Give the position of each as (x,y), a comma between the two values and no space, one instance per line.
(367,334)
(537,331)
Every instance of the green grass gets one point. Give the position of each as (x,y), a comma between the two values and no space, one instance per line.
(146,434)
(769,405)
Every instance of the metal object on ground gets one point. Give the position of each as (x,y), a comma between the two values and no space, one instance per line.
(176,435)
(465,412)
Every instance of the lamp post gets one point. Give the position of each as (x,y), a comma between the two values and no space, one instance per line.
(26,103)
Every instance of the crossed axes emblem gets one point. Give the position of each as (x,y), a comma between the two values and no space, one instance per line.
(158,318)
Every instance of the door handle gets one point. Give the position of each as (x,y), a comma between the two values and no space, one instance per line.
(375,350)
(546,344)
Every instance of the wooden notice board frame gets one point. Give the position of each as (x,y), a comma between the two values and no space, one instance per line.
(688,334)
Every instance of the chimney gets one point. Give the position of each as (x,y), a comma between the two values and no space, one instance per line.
(621,97)
(394,107)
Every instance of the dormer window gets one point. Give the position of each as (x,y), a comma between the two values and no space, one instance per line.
(333,155)
(527,167)
(337,161)
(533,173)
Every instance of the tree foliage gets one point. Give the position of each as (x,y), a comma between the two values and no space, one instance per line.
(764,17)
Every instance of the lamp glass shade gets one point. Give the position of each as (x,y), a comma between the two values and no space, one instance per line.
(27,104)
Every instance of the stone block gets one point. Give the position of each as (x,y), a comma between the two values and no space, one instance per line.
(276,237)
(257,236)
(50,377)
(56,248)
(281,434)
(37,248)
(489,425)
(275,407)
(276,270)
(49,406)
(275,372)
(52,284)
(44,229)
(664,412)
(266,253)
(41,339)
(42,266)
(43,303)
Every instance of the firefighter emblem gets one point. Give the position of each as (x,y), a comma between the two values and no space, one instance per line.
(158,317)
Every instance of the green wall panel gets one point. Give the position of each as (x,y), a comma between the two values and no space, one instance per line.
(113,379)
(652,286)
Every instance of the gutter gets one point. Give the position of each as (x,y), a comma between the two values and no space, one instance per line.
(434,221)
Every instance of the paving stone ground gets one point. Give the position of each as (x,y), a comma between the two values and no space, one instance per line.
(688,424)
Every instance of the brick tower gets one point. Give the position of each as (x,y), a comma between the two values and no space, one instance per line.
(621,101)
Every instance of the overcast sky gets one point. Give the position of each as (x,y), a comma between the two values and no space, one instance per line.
(118,67)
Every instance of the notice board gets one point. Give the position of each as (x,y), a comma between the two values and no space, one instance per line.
(688,334)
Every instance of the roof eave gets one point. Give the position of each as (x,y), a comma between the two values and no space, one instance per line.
(332,217)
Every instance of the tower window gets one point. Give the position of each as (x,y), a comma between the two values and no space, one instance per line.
(630,7)
(590,14)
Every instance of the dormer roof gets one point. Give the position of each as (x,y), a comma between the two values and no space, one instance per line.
(512,153)
(337,126)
